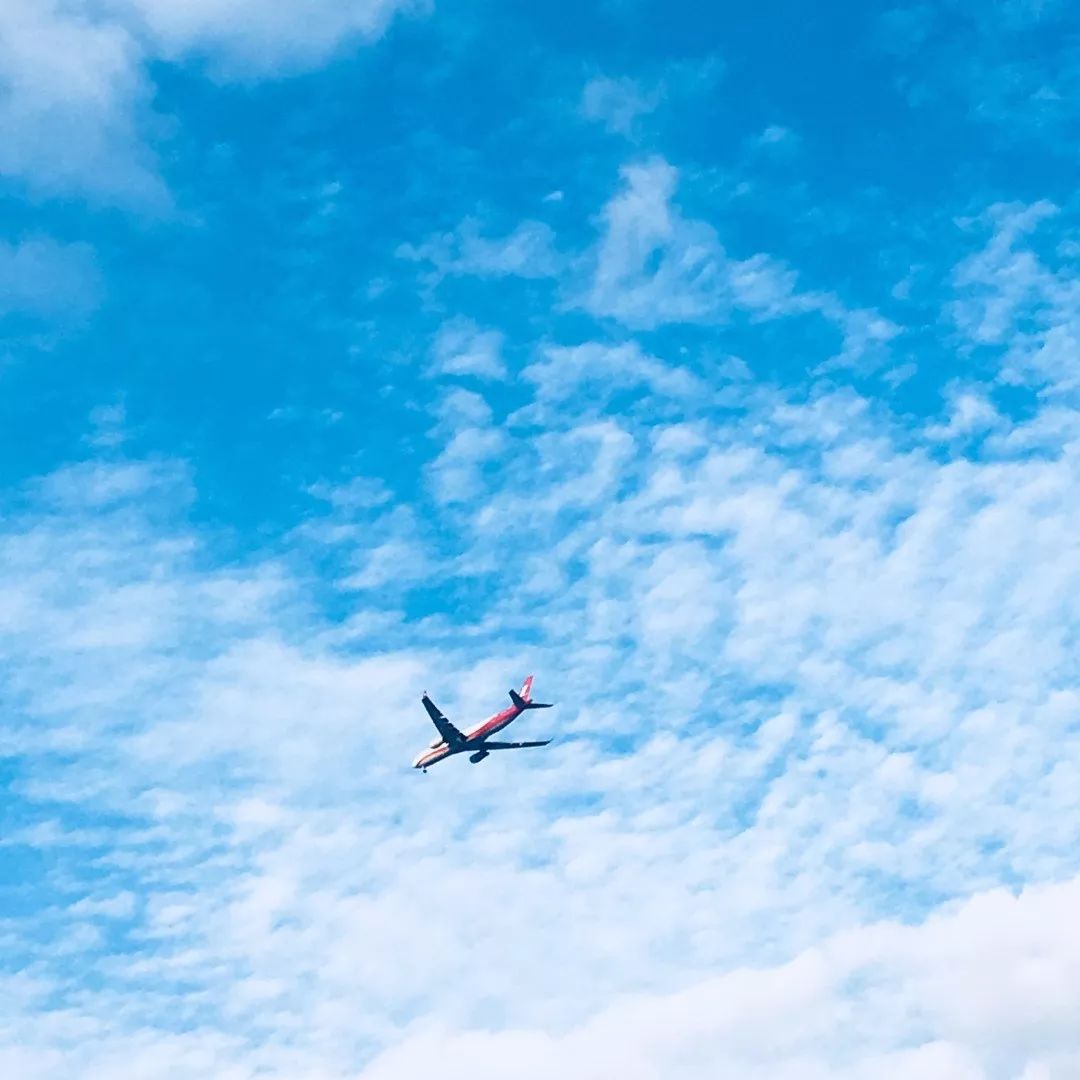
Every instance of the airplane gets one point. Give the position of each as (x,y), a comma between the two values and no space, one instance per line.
(451,741)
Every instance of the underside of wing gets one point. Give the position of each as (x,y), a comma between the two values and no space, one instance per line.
(512,745)
(447,730)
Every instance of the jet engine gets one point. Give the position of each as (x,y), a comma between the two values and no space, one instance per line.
(478,756)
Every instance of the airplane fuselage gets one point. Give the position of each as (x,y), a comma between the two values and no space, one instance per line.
(474,739)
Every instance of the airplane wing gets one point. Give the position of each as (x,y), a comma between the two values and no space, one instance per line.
(447,730)
(510,745)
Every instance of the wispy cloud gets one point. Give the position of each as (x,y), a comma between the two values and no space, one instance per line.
(784,638)
(462,348)
(616,103)
(653,266)
(528,251)
(599,371)
(1013,68)
(41,277)
(1013,300)
(245,37)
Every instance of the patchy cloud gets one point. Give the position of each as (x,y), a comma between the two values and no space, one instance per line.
(47,279)
(527,252)
(616,103)
(653,266)
(1012,299)
(462,348)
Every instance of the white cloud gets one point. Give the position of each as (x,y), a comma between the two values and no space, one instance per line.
(616,103)
(1001,280)
(1013,300)
(980,991)
(462,348)
(642,231)
(970,413)
(322,897)
(653,266)
(44,278)
(75,96)
(598,371)
(71,88)
(527,252)
(120,906)
(396,561)
(817,686)
(774,135)
(247,37)
(472,442)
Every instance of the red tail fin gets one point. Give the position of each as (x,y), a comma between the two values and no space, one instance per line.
(524,700)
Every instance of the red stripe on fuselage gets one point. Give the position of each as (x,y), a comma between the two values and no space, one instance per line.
(481,731)
(495,723)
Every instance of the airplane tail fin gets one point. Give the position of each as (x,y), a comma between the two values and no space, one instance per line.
(524,699)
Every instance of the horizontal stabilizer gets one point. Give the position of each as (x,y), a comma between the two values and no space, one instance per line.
(521,703)
(512,745)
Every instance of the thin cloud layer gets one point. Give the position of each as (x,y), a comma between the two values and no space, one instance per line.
(40,277)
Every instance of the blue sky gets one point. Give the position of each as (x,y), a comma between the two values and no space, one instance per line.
(720,368)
